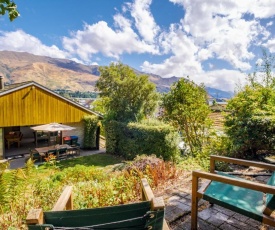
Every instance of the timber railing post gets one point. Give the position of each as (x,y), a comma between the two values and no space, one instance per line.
(194,209)
(35,216)
(212,164)
(65,200)
(157,203)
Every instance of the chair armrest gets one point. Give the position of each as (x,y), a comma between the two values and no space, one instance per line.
(233,181)
(214,158)
(65,200)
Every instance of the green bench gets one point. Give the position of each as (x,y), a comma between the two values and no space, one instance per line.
(148,214)
(252,199)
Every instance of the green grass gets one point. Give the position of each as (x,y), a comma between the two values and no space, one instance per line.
(100,160)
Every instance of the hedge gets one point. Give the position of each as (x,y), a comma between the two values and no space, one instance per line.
(91,124)
(132,139)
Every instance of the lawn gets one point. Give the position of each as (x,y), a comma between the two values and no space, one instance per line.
(100,160)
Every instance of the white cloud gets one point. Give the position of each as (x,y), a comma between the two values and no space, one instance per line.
(144,20)
(23,42)
(223,79)
(220,27)
(225,30)
(182,61)
(269,24)
(262,9)
(123,38)
(270,44)
(100,38)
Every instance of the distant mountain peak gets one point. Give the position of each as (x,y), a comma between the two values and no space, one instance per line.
(57,73)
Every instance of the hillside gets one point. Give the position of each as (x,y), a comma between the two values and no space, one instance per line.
(57,73)
(50,72)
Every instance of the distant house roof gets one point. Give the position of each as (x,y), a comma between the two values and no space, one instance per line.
(17,86)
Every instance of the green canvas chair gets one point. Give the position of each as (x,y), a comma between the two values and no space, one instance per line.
(249,198)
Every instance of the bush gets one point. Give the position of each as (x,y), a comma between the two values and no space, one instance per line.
(251,122)
(132,139)
(91,124)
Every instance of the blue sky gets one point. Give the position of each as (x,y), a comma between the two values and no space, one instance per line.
(213,42)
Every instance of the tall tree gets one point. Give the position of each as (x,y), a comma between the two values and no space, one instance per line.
(185,106)
(265,68)
(7,6)
(126,96)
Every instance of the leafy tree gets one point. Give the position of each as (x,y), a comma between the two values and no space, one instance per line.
(98,105)
(127,97)
(265,68)
(10,7)
(185,106)
(251,123)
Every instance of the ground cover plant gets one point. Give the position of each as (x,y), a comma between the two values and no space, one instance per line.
(93,186)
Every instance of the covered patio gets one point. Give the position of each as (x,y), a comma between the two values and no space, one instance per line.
(29,104)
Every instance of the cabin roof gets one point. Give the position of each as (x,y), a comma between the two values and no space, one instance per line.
(17,86)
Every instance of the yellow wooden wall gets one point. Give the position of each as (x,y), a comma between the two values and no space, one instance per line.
(33,106)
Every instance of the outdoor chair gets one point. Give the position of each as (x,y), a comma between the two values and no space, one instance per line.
(73,151)
(14,138)
(252,199)
(62,153)
(52,140)
(20,139)
(148,214)
(40,135)
(35,155)
(52,152)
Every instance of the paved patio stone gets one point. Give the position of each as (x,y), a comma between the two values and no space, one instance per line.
(207,213)
(218,219)
(174,214)
(240,217)
(203,225)
(238,224)
(173,199)
(227,226)
(223,210)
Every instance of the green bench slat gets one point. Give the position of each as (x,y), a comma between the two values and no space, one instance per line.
(105,215)
(244,201)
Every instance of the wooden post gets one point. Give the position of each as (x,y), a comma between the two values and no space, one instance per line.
(194,209)
(157,203)
(35,216)
(212,164)
(65,200)
(147,193)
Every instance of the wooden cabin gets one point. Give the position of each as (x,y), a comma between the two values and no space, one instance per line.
(27,104)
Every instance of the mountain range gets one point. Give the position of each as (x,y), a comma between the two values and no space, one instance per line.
(56,73)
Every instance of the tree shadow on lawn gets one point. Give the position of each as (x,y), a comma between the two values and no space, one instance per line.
(100,160)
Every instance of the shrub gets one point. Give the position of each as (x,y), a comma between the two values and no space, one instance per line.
(132,139)
(251,122)
(91,124)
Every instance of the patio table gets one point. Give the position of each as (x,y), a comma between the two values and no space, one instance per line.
(43,150)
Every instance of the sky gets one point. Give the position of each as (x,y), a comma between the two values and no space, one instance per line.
(214,42)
